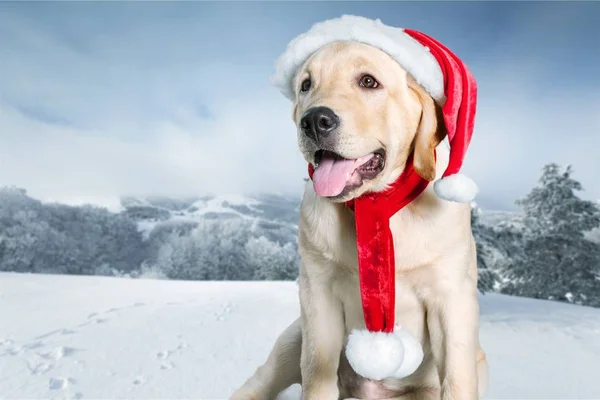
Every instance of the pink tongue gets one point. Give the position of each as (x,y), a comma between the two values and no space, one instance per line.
(332,175)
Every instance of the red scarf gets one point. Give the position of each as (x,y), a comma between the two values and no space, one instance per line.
(376,263)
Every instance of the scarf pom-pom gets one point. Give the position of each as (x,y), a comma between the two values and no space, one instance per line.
(380,355)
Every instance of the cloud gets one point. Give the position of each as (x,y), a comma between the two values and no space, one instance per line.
(532,110)
(517,132)
(240,150)
(97,124)
(151,107)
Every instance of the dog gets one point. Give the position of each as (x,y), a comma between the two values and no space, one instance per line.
(379,113)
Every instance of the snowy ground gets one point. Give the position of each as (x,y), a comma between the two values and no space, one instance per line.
(93,337)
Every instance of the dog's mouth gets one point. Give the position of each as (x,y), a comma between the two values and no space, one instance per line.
(335,174)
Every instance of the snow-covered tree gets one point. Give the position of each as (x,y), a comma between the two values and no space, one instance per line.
(224,249)
(484,241)
(55,238)
(272,261)
(558,262)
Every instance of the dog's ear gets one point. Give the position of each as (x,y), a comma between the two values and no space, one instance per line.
(430,132)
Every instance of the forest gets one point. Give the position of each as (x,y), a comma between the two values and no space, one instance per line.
(548,250)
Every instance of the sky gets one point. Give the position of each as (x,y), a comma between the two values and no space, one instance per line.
(101,99)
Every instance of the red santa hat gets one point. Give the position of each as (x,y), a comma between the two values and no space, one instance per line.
(385,349)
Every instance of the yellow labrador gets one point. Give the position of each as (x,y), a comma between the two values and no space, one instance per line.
(376,112)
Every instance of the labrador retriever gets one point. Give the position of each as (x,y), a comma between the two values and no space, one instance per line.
(372,109)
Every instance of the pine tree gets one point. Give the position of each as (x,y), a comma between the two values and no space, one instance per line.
(558,262)
(484,237)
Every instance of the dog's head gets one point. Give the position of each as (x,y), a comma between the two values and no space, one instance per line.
(360,116)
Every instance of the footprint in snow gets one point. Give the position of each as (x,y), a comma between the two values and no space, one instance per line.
(34,345)
(42,362)
(165,354)
(48,334)
(93,321)
(140,380)
(166,365)
(59,383)
(63,331)
(8,348)
(115,309)
(59,353)
(13,351)
(220,315)
(39,368)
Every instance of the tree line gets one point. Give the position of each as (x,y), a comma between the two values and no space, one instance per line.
(552,251)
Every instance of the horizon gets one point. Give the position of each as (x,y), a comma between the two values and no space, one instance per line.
(104,100)
(115,204)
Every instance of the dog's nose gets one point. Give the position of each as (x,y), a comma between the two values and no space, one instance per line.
(318,121)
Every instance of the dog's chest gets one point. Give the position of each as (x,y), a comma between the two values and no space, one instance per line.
(409,307)
(410,315)
(331,231)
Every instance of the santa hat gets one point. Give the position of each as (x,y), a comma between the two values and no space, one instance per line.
(384,349)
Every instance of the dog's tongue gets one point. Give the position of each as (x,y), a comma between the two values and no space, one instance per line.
(333,173)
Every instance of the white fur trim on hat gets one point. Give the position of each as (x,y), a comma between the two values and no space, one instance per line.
(457,187)
(409,53)
(380,355)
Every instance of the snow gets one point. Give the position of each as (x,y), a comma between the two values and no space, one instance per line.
(146,227)
(222,204)
(111,203)
(196,211)
(94,337)
(498,217)
(236,200)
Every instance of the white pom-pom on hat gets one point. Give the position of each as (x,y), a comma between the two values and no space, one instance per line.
(457,187)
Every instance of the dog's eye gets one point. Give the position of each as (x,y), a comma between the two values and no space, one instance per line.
(367,81)
(305,85)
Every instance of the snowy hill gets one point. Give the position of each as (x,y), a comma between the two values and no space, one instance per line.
(94,337)
(268,206)
(269,210)
(272,207)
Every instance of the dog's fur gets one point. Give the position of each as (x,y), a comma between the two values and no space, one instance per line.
(436,271)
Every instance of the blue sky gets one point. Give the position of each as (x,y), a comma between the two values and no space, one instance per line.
(104,98)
